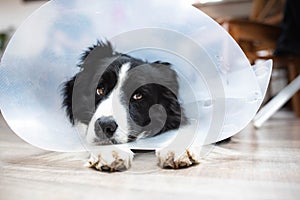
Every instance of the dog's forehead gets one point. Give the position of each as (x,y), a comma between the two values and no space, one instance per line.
(152,73)
(123,72)
(149,73)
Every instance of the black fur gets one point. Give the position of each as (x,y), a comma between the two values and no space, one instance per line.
(100,44)
(67,93)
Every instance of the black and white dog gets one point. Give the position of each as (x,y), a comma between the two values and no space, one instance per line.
(116,99)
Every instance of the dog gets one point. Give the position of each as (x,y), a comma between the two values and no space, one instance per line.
(116,98)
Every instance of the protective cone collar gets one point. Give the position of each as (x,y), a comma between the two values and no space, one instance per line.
(219,89)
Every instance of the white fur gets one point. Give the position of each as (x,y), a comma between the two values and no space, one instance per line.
(112,157)
(112,107)
(183,151)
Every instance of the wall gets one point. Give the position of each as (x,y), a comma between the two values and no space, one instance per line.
(14,12)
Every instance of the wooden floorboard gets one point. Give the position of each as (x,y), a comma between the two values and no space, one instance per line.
(255,164)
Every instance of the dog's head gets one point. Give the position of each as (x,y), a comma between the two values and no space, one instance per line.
(118,98)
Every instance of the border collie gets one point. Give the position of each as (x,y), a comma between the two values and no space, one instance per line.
(116,98)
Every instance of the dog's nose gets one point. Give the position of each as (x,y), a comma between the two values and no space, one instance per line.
(108,126)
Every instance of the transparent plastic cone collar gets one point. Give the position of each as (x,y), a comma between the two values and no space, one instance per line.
(218,91)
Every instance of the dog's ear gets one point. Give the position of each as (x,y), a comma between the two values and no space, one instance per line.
(162,63)
(102,49)
(67,93)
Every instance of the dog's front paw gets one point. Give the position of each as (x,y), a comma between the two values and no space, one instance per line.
(111,161)
(175,160)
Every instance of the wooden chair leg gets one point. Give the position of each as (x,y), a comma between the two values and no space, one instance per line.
(292,74)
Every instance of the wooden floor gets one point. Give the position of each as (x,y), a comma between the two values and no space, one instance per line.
(256,164)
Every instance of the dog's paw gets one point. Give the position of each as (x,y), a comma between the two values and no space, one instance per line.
(171,159)
(111,161)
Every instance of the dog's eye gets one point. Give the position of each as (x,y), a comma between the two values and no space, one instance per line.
(100,91)
(137,96)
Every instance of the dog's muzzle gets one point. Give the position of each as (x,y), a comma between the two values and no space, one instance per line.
(105,127)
